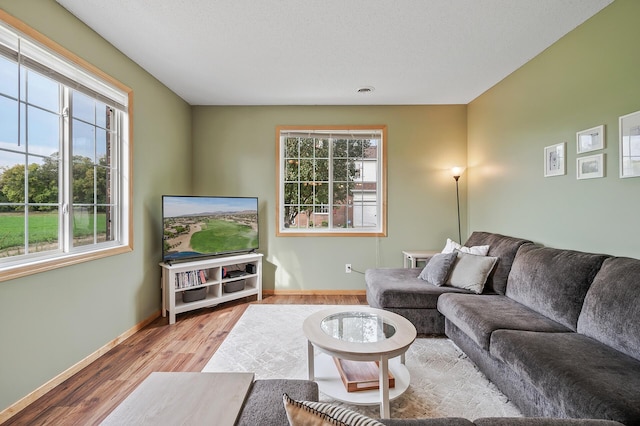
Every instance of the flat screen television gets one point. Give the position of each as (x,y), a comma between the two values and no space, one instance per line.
(199,226)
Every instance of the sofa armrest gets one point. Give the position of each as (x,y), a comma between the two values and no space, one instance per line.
(264,405)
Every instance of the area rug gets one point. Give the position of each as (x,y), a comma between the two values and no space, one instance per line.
(268,341)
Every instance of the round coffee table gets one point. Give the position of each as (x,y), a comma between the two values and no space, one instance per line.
(359,333)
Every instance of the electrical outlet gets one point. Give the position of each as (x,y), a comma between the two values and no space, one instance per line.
(347,268)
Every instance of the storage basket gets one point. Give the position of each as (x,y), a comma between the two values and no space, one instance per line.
(233,286)
(194,294)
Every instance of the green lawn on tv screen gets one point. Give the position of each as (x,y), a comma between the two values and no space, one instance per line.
(220,236)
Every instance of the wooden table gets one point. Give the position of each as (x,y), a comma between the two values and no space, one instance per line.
(184,399)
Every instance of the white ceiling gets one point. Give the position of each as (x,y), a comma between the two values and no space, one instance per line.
(319,52)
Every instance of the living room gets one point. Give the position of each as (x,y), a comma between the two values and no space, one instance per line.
(53,320)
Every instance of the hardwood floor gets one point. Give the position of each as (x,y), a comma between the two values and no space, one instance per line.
(89,396)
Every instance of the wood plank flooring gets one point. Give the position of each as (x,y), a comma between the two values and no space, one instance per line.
(90,395)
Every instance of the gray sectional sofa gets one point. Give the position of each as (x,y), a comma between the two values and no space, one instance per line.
(558,331)
(264,406)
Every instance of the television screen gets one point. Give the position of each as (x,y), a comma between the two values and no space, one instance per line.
(195,226)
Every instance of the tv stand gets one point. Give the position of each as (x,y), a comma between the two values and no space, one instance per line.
(206,275)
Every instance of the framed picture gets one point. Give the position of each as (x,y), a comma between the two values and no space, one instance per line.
(630,145)
(591,166)
(590,140)
(554,160)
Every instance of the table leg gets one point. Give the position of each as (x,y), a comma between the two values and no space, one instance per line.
(310,361)
(384,388)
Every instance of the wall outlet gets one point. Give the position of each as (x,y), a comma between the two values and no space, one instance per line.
(347,268)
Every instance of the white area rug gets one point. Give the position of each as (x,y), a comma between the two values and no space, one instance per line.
(268,341)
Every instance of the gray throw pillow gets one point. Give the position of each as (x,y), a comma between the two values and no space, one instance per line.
(437,268)
(470,271)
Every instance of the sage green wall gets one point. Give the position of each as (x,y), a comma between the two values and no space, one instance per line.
(235,154)
(589,77)
(51,321)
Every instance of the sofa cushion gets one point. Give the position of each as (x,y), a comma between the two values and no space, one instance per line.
(479,316)
(542,421)
(263,405)
(552,281)
(437,269)
(438,421)
(502,247)
(611,310)
(401,288)
(586,378)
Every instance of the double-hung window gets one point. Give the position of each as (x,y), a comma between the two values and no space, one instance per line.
(64,157)
(331,180)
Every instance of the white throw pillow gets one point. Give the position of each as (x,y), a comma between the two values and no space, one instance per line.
(452,246)
(470,271)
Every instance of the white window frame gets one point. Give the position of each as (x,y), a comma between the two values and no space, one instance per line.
(380,193)
(36,50)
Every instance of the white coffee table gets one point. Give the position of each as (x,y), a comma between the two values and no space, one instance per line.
(359,333)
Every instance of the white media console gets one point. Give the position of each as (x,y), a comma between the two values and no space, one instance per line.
(205,277)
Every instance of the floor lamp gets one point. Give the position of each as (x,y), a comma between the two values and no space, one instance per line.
(457,172)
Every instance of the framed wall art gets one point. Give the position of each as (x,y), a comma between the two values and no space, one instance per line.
(555,160)
(590,166)
(630,145)
(590,140)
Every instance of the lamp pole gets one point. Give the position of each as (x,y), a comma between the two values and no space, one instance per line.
(456,177)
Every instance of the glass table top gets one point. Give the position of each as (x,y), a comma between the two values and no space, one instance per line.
(358,327)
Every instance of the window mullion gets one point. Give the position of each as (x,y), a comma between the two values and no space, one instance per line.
(65,186)
(26,155)
(115,183)
(330,179)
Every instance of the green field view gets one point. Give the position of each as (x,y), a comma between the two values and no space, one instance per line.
(219,236)
(43,228)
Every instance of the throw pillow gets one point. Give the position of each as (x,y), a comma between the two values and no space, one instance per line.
(437,268)
(309,413)
(452,246)
(470,271)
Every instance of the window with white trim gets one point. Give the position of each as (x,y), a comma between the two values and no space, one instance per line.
(64,158)
(331,180)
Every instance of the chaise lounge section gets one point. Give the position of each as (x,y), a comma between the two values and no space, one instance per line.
(400,290)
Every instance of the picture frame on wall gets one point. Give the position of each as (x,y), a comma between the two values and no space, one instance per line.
(590,166)
(555,160)
(630,145)
(590,139)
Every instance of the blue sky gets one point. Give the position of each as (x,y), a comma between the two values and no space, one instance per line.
(43,118)
(181,206)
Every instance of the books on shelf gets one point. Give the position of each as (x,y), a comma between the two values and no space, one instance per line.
(191,278)
(361,375)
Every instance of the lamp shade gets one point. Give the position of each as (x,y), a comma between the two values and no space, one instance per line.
(457,171)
